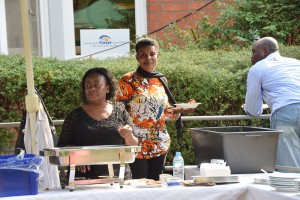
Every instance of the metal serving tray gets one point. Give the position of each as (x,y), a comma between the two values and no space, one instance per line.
(92,155)
(216,179)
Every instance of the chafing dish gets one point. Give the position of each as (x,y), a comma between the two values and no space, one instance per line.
(92,155)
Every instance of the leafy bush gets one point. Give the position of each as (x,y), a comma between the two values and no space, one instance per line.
(8,138)
(217,79)
(245,20)
(240,23)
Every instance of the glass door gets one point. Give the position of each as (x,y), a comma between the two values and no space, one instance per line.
(103,14)
(14,27)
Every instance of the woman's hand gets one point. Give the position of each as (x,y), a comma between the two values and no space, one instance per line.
(83,169)
(127,134)
(173,112)
(125,131)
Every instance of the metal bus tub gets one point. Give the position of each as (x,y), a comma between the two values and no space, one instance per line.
(245,149)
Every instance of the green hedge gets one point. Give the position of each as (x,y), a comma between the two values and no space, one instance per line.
(217,79)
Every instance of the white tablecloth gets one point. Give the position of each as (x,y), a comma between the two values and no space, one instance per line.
(224,192)
(245,190)
(265,192)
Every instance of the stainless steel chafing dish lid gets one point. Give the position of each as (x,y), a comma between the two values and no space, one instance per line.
(91,155)
(88,150)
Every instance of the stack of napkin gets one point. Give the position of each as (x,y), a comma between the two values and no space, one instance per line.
(215,168)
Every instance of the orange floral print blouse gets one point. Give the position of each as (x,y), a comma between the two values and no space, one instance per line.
(146,102)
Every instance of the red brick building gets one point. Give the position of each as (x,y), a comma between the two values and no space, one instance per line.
(56,24)
(187,13)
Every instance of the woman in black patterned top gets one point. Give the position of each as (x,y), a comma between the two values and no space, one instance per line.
(98,121)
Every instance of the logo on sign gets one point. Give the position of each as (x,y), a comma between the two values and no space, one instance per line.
(104,39)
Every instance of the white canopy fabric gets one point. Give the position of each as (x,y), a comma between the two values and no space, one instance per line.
(43,139)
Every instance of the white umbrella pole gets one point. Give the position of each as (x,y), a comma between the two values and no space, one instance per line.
(31,99)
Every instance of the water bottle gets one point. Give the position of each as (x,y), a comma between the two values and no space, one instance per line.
(178,166)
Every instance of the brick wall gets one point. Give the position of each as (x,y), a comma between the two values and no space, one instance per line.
(163,12)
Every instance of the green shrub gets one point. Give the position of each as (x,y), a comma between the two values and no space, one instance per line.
(217,79)
(6,140)
(239,23)
(244,20)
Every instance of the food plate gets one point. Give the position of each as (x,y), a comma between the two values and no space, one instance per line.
(284,176)
(189,183)
(147,186)
(279,189)
(262,180)
(143,183)
(285,182)
(187,105)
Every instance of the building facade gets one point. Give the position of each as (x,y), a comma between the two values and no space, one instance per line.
(55,24)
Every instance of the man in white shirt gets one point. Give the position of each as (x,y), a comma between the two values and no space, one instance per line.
(276,80)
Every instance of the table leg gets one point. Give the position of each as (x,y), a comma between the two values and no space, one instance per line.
(122,167)
(72,174)
(111,172)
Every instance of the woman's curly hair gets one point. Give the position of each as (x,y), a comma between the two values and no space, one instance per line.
(110,80)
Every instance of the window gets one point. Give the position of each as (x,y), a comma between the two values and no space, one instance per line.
(14,27)
(103,14)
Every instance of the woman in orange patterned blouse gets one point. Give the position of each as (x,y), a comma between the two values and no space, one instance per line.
(145,97)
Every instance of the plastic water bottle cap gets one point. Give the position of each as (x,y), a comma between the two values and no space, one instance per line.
(178,154)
